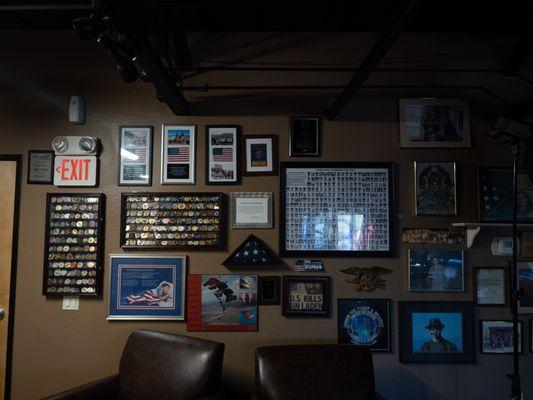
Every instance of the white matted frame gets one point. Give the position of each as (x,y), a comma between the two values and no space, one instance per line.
(252,210)
(260,155)
(178,154)
(135,157)
(435,188)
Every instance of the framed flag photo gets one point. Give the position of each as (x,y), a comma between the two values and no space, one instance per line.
(222,156)
(260,155)
(178,153)
(135,158)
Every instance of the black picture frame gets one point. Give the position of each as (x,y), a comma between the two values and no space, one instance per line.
(465,352)
(531,335)
(510,325)
(149,154)
(236,156)
(305,136)
(324,310)
(269,290)
(275,155)
(40,182)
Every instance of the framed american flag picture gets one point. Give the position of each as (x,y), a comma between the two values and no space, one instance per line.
(178,148)
(222,156)
(135,158)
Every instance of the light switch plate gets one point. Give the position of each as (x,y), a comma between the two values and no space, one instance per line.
(71,303)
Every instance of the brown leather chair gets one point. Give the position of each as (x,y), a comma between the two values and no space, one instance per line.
(159,366)
(314,372)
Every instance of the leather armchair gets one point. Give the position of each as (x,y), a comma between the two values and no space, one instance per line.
(314,372)
(162,366)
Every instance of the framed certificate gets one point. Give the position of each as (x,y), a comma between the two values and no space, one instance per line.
(178,153)
(252,210)
(40,167)
(222,156)
(304,137)
(490,286)
(135,158)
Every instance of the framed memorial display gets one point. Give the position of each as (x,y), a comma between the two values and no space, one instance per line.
(336,209)
(306,296)
(365,323)
(147,287)
(490,286)
(436,331)
(252,210)
(135,158)
(74,244)
(435,188)
(178,154)
(253,253)
(525,284)
(434,123)
(260,155)
(40,167)
(497,337)
(305,137)
(189,221)
(222,157)
(269,290)
(436,271)
(222,303)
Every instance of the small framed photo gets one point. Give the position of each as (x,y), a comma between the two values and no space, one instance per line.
(260,155)
(436,270)
(146,287)
(40,167)
(435,188)
(434,123)
(252,210)
(525,284)
(306,296)
(497,337)
(365,323)
(222,156)
(305,136)
(490,286)
(178,154)
(436,331)
(135,158)
(269,290)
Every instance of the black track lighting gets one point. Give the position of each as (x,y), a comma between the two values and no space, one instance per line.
(122,57)
(89,28)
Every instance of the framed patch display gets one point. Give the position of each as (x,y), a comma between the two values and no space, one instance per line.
(260,155)
(433,236)
(222,303)
(305,137)
(336,209)
(306,296)
(436,271)
(74,244)
(525,284)
(146,287)
(252,210)
(497,337)
(40,167)
(222,157)
(269,290)
(365,323)
(435,188)
(434,123)
(436,331)
(178,154)
(135,157)
(490,286)
(192,221)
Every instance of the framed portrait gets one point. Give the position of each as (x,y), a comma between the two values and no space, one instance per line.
(336,209)
(497,337)
(435,188)
(306,296)
(525,284)
(178,154)
(490,286)
(436,270)
(305,136)
(252,210)
(436,331)
(222,303)
(147,287)
(135,158)
(40,167)
(433,236)
(260,155)
(434,123)
(222,156)
(269,290)
(365,323)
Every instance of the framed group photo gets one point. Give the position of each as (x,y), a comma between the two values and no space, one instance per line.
(135,158)
(490,286)
(306,296)
(436,270)
(497,337)
(260,155)
(222,157)
(178,154)
(435,188)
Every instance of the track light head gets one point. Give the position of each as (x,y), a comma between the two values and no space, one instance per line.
(123,58)
(89,28)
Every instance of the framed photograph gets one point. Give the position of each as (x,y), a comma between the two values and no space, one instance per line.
(252,210)
(497,337)
(178,154)
(306,296)
(435,188)
(269,290)
(135,157)
(433,236)
(260,155)
(146,287)
(531,335)
(305,136)
(40,167)
(436,331)
(336,209)
(490,286)
(525,284)
(222,157)
(222,303)
(434,123)
(436,271)
(365,323)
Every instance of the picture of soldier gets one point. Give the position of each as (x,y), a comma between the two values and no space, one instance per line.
(428,335)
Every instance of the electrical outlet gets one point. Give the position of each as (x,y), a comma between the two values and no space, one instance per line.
(71,303)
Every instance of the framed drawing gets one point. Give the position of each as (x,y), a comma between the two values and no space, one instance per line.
(252,210)
(365,323)
(436,331)
(434,123)
(490,286)
(40,167)
(178,154)
(146,287)
(433,236)
(135,158)
(497,337)
(306,296)
(436,271)
(525,284)
(435,188)
(260,155)
(336,209)
(222,156)
(305,137)
(269,290)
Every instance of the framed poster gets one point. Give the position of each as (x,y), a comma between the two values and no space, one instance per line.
(252,210)
(40,167)
(305,137)
(336,209)
(146,287)
(178,154)
(306,296)
(365,323)
(490,286)
(222,157)
(497,337)
(436,331)
(436,271)
(135,158)
(433,236)
(434,123)
(269,290)
(260,155)
(222,303)
(525,284)
(435,188)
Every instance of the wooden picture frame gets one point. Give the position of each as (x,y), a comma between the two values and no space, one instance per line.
(260,155)
(222,155)
(135,158)
(489,290)
(295,303)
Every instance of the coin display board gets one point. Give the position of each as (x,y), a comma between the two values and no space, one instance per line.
(74,244)
(192,221)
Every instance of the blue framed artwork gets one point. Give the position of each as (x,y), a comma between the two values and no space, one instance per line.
(147,287)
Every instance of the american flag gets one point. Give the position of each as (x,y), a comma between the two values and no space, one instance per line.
(223,154)
(492,196)
(140,153)
(147,297)
(178,154)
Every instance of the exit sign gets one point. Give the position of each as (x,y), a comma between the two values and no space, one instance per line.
(75,170)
